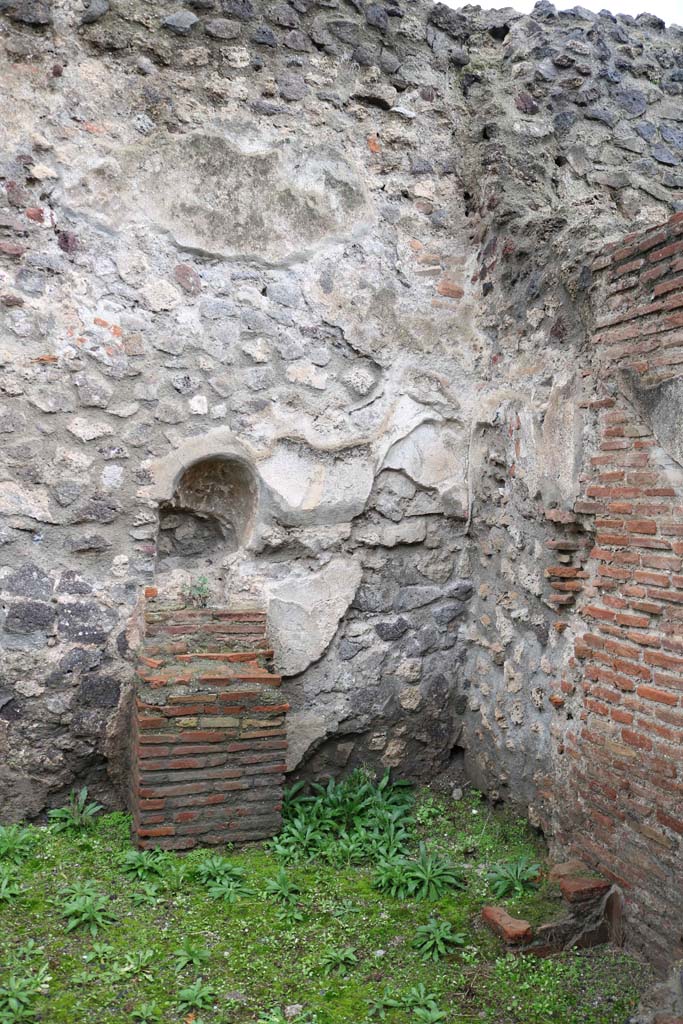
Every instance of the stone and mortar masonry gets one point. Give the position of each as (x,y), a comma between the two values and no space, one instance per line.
(208,734)
(348,246)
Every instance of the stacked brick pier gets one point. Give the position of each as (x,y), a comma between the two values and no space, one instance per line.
(208,731)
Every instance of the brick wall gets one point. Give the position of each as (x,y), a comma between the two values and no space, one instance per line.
(208,731)
(623,809)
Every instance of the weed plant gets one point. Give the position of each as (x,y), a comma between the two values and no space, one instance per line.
(437,938)
(78,815)
(513,878)
(16,843)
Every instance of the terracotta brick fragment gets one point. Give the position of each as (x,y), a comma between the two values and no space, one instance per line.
(511,930)
(576,889)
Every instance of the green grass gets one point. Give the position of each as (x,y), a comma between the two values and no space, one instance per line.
(258,960)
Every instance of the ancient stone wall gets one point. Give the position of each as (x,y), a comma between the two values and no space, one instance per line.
(295,297)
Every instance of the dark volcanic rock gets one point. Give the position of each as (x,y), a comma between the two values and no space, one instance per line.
(28,581)
(30,617)
(85,622)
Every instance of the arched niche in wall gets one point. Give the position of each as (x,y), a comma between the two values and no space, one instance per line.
(209,515)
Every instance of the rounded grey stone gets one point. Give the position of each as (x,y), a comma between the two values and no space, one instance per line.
(222,28)
(95,10)
(182,22)
(663,155)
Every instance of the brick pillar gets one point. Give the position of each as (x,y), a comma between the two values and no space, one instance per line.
(208,744)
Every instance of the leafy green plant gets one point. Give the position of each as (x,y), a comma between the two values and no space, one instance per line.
(84,977)
(290,915)
(197,996)
(16,1002)
(347,848)
(294,796)
(177,873)
(431,876)
(345,822)
(436,939)
(77,816)
(428,811)
(143,864)
(148,895)
(79,888)
(419,997)
(344,908)
(391,836)
(429,1015)
(216,869)
(392,877)
(136,964)
(428,877)
(9,885)
(16,843)
(28,952)
(116,972)
(514,877)
(379,1007)
(88,910)
(286,892)
(338,960)
(146,1013)
(100,953)
(197,592)
(273,1016)
(282,888)
(278,1016)
(190,953)
(470,956)
(299,839)
(230,890)
(18,995)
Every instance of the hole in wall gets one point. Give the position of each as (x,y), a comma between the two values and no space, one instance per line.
(184,533)
(457,757)
(210,515)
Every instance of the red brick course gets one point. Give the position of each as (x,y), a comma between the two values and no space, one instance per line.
(208,736)
(622,807)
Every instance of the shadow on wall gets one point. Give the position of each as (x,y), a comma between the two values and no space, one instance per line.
(210,515)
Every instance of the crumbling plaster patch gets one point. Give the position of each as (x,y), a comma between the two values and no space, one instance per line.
(305,610)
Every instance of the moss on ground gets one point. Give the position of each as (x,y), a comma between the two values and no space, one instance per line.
(258,961)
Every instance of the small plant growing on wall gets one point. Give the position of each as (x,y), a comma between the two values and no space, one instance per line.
(196,592)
